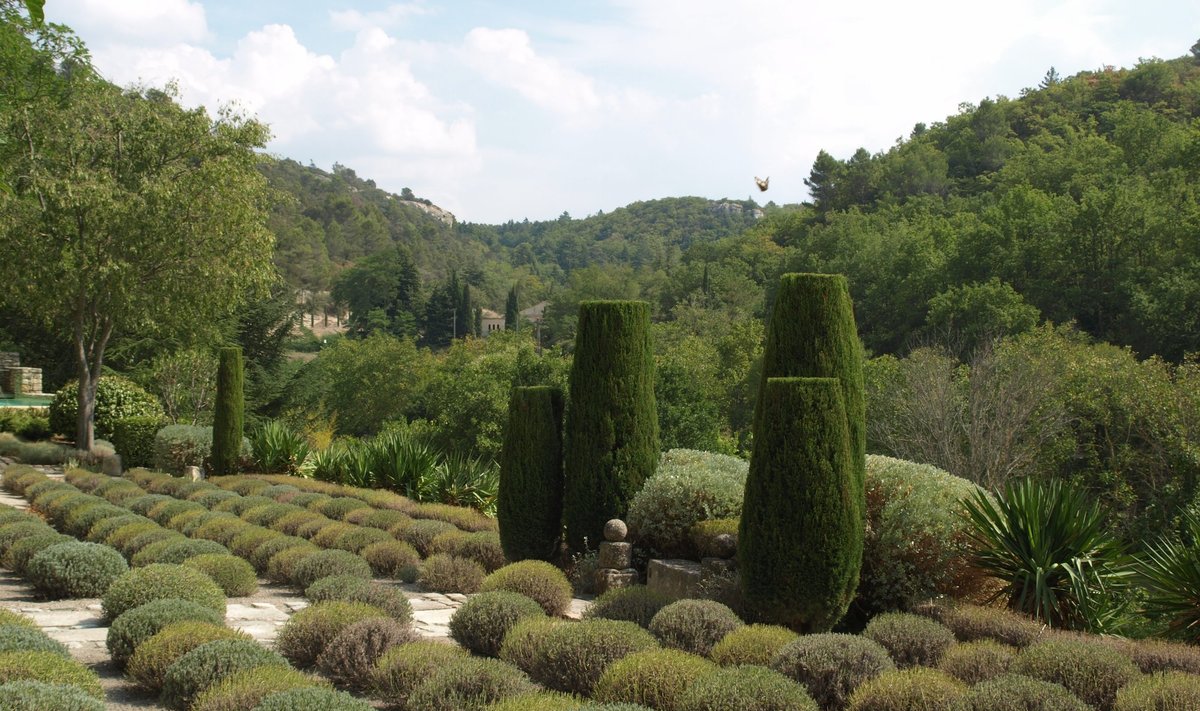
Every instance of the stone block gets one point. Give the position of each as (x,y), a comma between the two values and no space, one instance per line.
(608,579)
(675,578)
(617,556)
(717,566)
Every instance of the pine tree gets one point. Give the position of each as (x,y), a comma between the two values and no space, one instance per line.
(611,432)
(228,422)
(800,538)
(529,505)
(512,317)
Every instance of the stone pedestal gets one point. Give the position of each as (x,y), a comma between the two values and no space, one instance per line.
(617,556)
(609,579)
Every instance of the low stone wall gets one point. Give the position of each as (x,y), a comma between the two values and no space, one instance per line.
(22,381)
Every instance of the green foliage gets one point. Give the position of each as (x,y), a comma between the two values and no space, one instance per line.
(17,557)
(484,619)
(176,550)
(911,640)
(228,413)
(688,487)
(24,638)
(1012,692)
(636,603)
(160,581)
(1051,545)
(46,696)
(1168,692)
(832,666)
(611,432)
(49,667)
(116,399)
(1169,570)
(524,641)
(234,575)
(135,626)
(538,580)
(693,625)
(974,662)
(326,563)
(209,663)
(388,558)
(529,503)
(751,644)
(450,574)
(747,688)
(151,658)
(1088,670)
(278,449)
(180,446)
(972,314)
(133,438)
(573,657)
(468,684)
(312,698)
(402,669)
(972,623)
(916,689)
(800,540)
(350,588)
(537,701)
(244,690)
(350,657)
(656,678)
(915,547)
(75,569)
(304,636)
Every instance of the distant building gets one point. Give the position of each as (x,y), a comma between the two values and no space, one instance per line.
(535,313)
(491,321)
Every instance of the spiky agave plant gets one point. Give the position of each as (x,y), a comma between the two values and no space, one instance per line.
(462,480)
(1049,544)
(1169,570)
(279,449)
(404,464)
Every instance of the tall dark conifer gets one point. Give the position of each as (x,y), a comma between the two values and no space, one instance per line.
(529,505)
(228,414)
(512,316)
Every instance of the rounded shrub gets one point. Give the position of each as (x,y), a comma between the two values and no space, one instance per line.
(75,569)
(911,640)
(831,666)
(610,434)
(1156,655)
(164,511)
(403,668)
(388,558)
(281,567)
(524,639)
(329,562)
(13,532)
(176,551)
(291,524)
(207,664)
(275,491)
(263,553)
(572,657)
(222,530)
(384,519)
(468,684)
(693,625)
(49,667)
(211,497)
(46,696)
(267,514)
(191,527)
(351,655)
(751,644)
(102,529)
(143,540)
(916,689)
(688,487)
(745,688)
(142,504)
(313,698)
(1092,672)
(22,638)
(1173,691)
(483,620)
(304,636)
(310,500)
(150,661)
(244,690)
(1012,692)
(359,537)
(970,623)
(973,662)
(529,500)
(537,701)
(181,521)
(233,575)
(245,543)
(160,581)
(328,534)
(9,617)
(535,579)
(18,555)
(339,506)
(420,534)
(636,603)
(483,547)
(353,589)
(116,398)
(654,678)
(79,521)
(139,624)
(451,574)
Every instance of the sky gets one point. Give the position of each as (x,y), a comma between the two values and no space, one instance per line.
(521,109)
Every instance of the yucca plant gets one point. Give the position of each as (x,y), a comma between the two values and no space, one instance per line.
(466,481)
(358,465)
(278,449)
(1169,570)
(326,464)
(404,464)
(1049,544)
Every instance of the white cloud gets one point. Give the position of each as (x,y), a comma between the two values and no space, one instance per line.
(146,22)
(506,57)
(390,17)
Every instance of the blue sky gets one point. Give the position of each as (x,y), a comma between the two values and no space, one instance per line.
(512,110)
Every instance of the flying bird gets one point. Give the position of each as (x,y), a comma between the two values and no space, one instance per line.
(762,182)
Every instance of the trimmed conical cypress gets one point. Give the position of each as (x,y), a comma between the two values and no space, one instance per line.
(228,416)
(529,506)
(611,433)
(812,335)
(800,539)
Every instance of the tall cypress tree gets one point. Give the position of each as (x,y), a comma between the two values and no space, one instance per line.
(800,539)
(465,314)
(529,505)
(611,434)
(228,415)
(512,317)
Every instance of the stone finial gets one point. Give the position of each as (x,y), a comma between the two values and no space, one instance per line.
(615,530)
(193,473)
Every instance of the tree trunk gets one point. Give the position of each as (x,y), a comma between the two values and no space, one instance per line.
(85,428)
